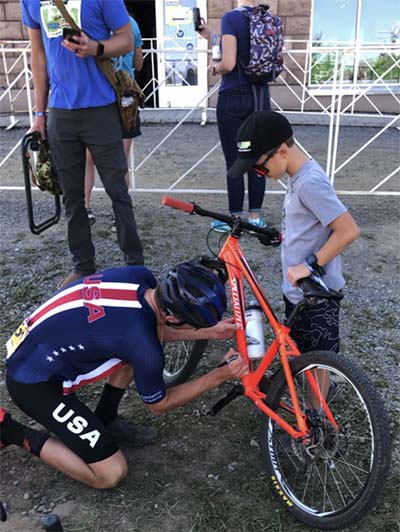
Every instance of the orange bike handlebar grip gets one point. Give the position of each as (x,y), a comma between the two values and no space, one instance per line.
(178,204)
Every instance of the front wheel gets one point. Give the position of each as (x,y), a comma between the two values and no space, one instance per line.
(334,479)
(181,360)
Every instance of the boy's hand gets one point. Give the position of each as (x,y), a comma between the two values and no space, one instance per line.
(295,273)
(224,330)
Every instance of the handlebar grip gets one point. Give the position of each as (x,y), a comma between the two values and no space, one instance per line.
(178,204)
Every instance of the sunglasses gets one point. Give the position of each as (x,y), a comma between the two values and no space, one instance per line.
(260,169)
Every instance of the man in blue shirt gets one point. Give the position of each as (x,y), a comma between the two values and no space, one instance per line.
(110,321)
(82,114)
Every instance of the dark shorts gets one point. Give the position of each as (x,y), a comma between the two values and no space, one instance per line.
(134,132)
(316,327)
(74,424)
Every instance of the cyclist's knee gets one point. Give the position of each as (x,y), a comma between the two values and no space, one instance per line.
(112,475)
(111,479)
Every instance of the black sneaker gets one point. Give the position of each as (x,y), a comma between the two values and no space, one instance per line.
(3,416)
(131,434)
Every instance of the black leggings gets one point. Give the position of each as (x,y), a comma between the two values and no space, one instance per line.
(66,416)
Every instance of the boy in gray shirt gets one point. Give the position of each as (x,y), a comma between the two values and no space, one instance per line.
(316,225)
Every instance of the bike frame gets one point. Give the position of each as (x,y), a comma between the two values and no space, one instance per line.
(238,270)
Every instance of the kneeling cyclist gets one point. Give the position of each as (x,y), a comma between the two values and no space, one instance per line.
(111,322)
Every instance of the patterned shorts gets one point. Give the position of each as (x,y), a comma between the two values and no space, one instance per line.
(316,327)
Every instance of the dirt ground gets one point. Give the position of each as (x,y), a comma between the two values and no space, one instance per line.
(204,474)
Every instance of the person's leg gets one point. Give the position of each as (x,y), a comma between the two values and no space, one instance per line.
(256,190)
(85,451)
(127,151)
(89,178)
(227,128)
(69,155)
(113,391)
(316,328)
(256,184)
(106,147)
(128,433)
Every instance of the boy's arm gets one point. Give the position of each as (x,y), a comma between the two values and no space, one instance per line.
(344,232)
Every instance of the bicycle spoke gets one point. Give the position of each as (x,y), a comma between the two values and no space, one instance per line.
(327,473)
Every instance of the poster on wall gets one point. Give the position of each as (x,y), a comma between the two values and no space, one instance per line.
(180,41)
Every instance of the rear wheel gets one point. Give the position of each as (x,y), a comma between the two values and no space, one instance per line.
(336,478)
(181,360)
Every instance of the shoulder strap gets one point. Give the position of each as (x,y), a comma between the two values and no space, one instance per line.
(61,7)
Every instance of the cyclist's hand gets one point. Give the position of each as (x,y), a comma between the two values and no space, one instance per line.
(233,366)
(295,273)
(224,330)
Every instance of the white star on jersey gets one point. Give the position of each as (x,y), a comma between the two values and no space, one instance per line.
(50,359)
(81,347)
(71,348)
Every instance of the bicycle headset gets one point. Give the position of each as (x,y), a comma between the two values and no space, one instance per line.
(194,294)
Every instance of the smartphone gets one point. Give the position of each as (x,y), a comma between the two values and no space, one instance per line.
(69,34)
(197,19)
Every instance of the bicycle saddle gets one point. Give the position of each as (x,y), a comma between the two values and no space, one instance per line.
(314,288)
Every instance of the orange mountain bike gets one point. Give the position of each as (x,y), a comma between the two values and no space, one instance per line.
(325,434)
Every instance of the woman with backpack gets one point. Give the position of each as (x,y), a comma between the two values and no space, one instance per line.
(238,98)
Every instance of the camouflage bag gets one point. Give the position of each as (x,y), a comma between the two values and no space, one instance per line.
(45,175)
(128,92)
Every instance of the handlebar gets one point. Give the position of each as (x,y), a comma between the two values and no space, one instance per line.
(266,236)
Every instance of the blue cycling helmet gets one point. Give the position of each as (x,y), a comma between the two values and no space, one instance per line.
(194,294)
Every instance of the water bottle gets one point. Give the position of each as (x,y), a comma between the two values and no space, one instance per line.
(255,330)
(215,50)
(127,98)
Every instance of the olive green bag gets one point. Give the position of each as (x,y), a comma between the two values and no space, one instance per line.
(44,175)
(121,81)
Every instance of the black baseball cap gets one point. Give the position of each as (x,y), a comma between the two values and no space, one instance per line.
(260,133)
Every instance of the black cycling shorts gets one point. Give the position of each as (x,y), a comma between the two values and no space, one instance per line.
(74,424)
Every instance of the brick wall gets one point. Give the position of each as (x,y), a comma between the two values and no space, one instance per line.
(10,21)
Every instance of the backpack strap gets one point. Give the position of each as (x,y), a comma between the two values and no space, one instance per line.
(61,7)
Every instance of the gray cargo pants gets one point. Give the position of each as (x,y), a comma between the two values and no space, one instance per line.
(99,129)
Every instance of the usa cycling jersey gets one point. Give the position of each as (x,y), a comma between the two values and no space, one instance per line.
(91,328)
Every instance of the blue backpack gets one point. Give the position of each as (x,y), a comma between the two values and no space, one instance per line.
(266,45)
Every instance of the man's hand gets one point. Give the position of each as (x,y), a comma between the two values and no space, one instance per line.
(204,30)
(224,330)
(81,45)
(295,273)
(39,124)
(233,368)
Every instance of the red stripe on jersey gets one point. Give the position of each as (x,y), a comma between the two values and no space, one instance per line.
(71,389)
(105,293)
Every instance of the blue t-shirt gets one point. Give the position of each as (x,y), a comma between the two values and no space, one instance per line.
(90,329)
(236,23)
(125,62)
(75,83)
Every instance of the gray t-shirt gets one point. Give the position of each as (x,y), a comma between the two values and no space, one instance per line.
(310,206)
